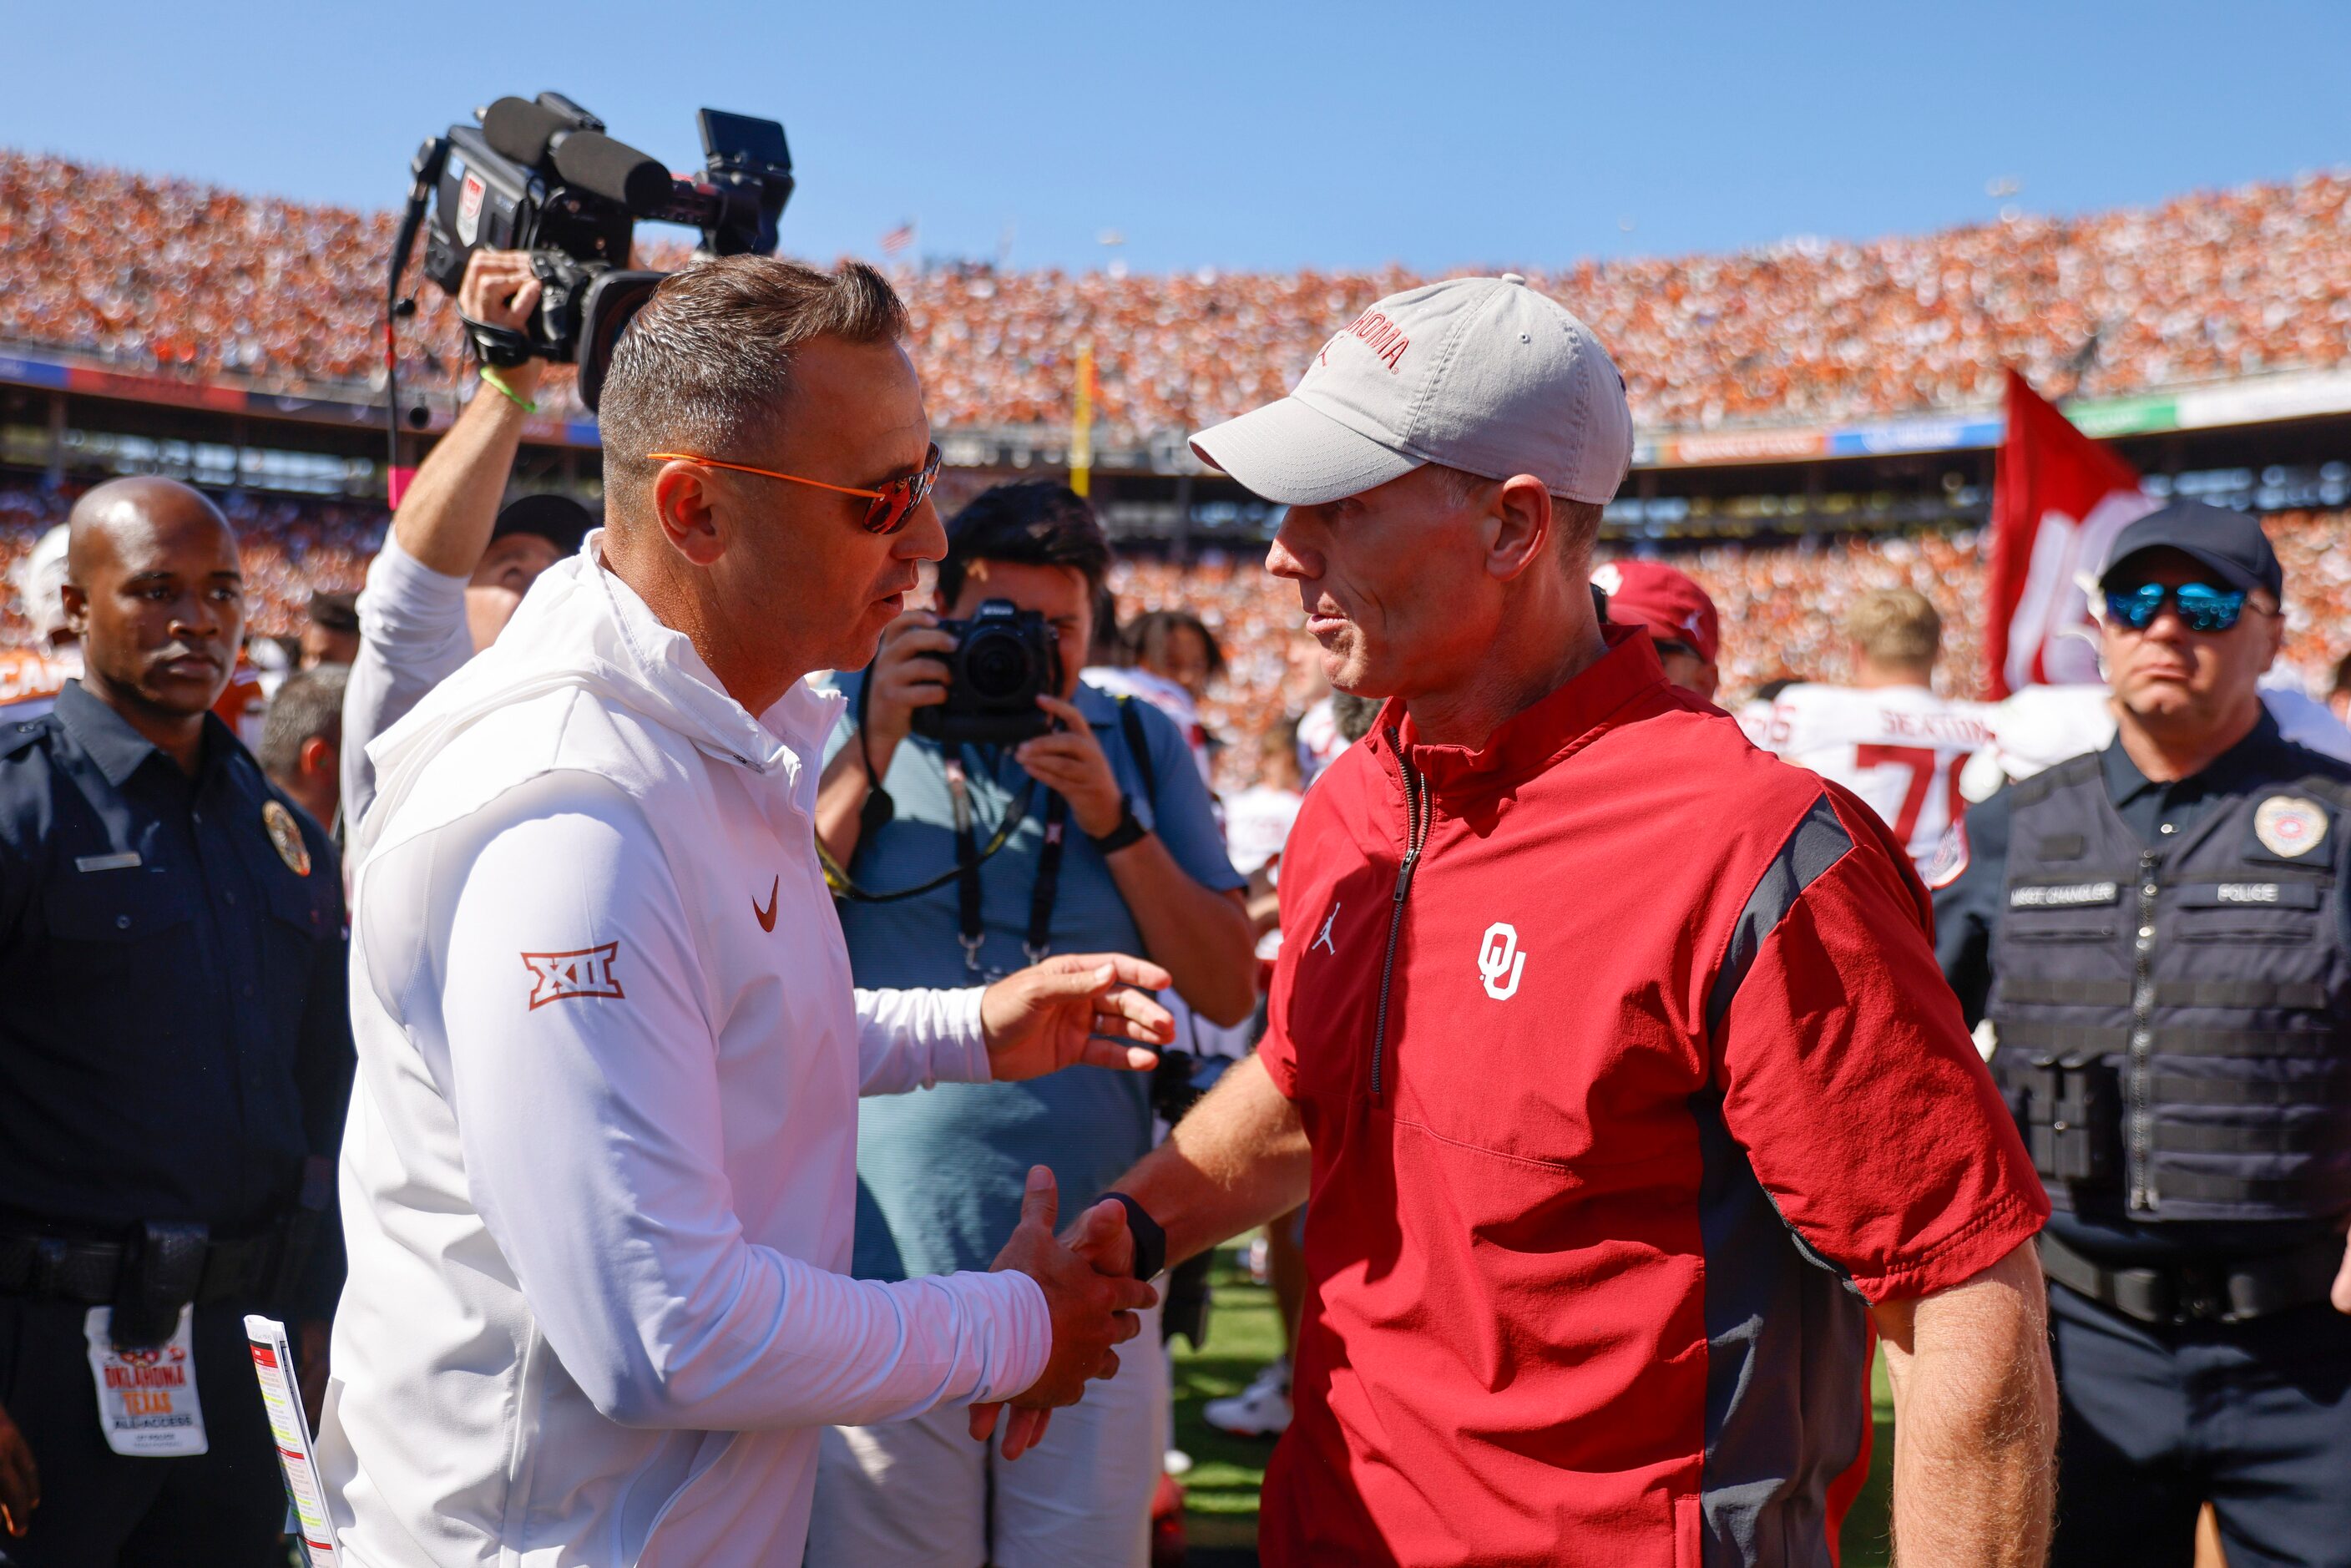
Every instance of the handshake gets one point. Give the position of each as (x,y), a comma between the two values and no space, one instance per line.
(1090,1290)
(1068,1010)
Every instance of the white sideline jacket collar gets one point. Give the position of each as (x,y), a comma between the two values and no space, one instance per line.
(582,627)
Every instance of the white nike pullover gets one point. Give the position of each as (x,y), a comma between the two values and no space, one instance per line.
(599,1173)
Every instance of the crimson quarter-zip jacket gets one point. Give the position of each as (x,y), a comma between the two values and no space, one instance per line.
(1632,1083)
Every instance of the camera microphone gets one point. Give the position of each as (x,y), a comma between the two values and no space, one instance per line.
(613,170)
(518,129)
(530,133)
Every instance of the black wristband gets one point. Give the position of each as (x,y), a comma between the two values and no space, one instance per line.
(1150,1241)
(1129,828)
(502,348)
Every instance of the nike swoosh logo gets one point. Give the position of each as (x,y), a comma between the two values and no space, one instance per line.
(768,917)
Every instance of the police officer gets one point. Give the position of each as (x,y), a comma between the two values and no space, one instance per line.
(2161,936)
(175,1057)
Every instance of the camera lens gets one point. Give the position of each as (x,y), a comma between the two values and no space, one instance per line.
(996,666)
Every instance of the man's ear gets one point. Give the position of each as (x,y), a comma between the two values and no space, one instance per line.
(318,756)
(1521,517)
(76,605)
(686,499)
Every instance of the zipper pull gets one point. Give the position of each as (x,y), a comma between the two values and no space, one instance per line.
(1404,873)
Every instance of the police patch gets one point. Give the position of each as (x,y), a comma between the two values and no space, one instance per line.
(2289,826)
(1950,859)
(286,837)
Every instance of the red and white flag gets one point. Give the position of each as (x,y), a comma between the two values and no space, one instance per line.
(898,239)
(2057,503)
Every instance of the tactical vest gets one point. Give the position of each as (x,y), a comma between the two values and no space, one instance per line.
(2172,1017)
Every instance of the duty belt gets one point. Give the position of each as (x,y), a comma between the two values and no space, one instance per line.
(90,1272)
(2191,1292)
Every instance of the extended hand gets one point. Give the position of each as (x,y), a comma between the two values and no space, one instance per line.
(2341,1294)
(20,1479)
(1091,1311)
(1054,1015)
(1071,761)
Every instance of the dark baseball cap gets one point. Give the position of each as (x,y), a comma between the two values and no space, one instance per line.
(335,611)
(559,519)
(2230,544)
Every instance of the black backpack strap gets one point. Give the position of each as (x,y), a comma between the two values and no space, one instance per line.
(1130,724)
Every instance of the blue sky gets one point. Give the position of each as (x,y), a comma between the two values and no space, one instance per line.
(1249,135)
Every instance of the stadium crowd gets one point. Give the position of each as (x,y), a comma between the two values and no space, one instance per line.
(174,275)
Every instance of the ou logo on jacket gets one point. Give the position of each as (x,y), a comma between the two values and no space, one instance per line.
(1500,961)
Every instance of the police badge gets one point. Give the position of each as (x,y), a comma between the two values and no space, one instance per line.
(286,837)
(1950,859)
(2289,826)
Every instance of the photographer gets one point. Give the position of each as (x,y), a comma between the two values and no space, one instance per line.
(456,567)
(1139,868)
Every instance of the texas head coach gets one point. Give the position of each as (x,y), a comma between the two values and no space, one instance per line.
(599,1175)
(1612,1049)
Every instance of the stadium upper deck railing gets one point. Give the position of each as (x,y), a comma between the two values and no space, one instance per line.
(2248,401)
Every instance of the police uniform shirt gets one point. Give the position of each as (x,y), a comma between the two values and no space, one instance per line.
(174,1038)
(1968,908)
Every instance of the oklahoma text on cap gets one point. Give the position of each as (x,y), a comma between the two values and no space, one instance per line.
(1482,374)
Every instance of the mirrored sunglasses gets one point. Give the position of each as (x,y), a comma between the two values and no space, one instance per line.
(2201,606)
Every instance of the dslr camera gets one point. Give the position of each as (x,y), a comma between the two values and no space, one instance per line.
(1004,660)
(540,175)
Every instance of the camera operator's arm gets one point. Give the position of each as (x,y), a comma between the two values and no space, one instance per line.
(901,681)
(444,519)
(413,628)
(1198,933)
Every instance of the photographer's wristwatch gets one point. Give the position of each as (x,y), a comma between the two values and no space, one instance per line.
(1130,828)
(1150,1239)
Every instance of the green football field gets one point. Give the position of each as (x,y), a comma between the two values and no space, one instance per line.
(1221,1499)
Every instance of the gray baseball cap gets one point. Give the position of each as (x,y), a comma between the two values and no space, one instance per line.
(1482,374)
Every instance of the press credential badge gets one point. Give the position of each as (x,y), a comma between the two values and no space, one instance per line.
(146,1398)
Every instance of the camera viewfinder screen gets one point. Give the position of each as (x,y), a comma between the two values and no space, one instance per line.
(742,136)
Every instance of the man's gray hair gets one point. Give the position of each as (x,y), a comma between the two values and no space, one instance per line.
(309,704)
(704,367)
(1578,521)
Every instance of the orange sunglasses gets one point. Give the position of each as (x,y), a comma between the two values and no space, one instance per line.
(887,509)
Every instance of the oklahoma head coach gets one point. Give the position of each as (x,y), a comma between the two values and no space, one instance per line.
(1612,1049)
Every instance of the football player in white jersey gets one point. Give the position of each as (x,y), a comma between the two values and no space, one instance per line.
(1887,738)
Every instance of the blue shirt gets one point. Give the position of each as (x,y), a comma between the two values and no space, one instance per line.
(941,1171)
(175,1040)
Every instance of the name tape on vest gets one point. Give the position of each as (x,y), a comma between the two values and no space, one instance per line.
(2064,895)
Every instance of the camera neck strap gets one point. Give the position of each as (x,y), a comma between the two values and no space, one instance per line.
(878,811)
(969,930)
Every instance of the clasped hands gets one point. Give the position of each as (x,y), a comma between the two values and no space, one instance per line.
(1075,1010)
